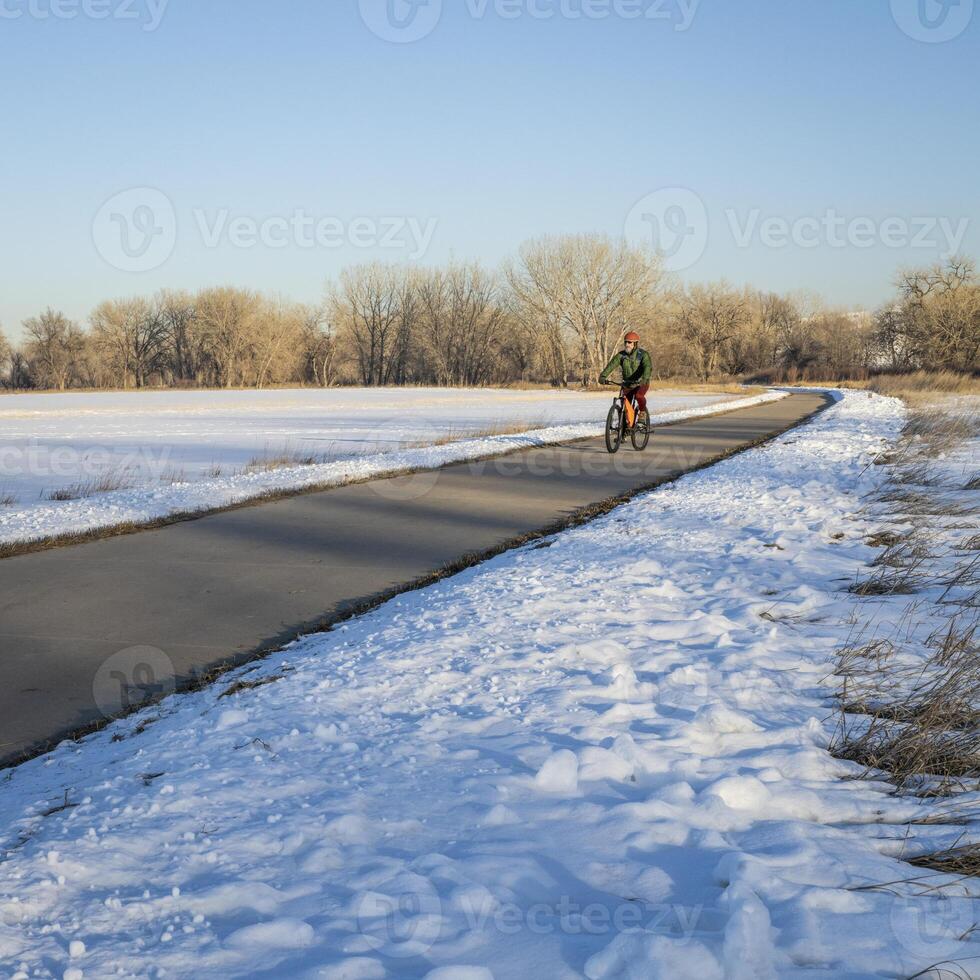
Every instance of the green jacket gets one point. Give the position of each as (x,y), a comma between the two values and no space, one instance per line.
(637,368)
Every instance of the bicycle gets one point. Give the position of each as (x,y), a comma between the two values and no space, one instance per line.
(625,416)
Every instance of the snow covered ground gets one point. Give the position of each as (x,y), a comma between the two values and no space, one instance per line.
(604,758)
(182,452)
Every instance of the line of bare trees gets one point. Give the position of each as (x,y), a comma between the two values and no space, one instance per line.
(556,313)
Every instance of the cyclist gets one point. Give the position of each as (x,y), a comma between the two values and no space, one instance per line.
(637,369)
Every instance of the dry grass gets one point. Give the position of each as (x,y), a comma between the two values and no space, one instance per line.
(708,388)
(245,685)
(946,970)
(941,430)
(106,482)
(918,721)
(7,499)
(884,539)
(172,475)
(920,725)
(286,459)
(924,382)
(961,859)
(894,580)
(489,432)
(919,389)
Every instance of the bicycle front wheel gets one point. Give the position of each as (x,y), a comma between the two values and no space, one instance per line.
(614,429)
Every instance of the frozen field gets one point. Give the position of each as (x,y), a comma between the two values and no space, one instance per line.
(113,458)
(604,759)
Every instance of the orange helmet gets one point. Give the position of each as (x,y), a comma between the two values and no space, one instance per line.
(635,337)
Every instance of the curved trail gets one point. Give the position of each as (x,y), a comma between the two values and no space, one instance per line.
(223,588)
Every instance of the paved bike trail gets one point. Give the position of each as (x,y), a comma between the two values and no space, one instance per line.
(75,622)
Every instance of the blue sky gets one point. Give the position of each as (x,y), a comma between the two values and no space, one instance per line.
(488,130)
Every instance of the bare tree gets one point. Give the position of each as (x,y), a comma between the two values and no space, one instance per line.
(461,324)
(319,347)
(6,360)
(225,318)
(132,334)
(587,287)
(774,318)
(53,348)
(277,341)
(535,285)
(519,345)
(375,307)
(710,319)
(176,310)
(935,323)
(845,342)
(954,330)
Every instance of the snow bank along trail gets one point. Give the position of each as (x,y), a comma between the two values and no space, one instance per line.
(605,758)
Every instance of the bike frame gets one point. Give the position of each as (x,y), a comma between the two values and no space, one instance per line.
(626,405)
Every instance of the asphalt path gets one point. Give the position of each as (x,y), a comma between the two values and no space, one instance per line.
(89,631)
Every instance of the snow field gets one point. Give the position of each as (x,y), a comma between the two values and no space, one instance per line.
(605,758)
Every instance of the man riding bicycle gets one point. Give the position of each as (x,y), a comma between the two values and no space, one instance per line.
(637,369)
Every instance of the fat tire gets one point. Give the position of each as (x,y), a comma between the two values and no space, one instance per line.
(640,434)
(614,429)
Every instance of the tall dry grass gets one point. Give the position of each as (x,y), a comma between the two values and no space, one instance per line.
(910,708)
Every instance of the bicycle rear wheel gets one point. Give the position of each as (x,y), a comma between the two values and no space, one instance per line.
(640,434)
(614,429)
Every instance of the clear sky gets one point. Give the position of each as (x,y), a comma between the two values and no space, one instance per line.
(858,118)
